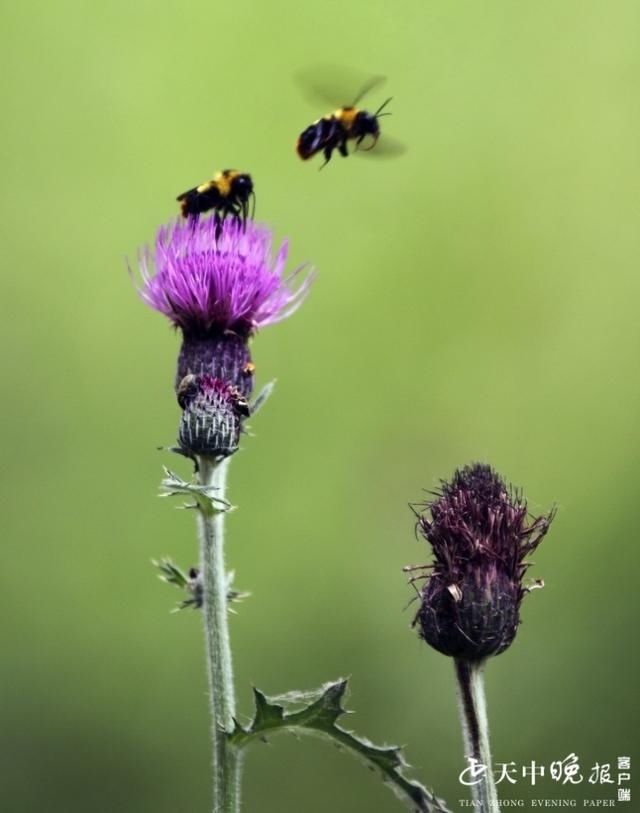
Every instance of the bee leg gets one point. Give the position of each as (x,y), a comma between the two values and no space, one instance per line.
(375,141)
(218,219)
(242,213)
(342,149)
(236,215)
(327,156)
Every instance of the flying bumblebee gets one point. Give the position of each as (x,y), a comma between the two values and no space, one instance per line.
(227,193)
(349,123)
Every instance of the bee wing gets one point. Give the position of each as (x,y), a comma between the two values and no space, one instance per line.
(371,84)
(333,86)
(386,147)
(187,193)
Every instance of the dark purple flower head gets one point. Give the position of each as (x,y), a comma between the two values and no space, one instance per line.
(212,415)
(481,533)
(207,283)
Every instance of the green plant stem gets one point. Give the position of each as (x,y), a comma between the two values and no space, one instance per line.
(475,727)
(226,758)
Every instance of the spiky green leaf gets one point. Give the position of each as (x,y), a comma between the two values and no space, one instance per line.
(190,583)
(317,713)
(204,495)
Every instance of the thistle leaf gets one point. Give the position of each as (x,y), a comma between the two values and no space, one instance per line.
(317,713)
(205,498)
(171,573)
(191,583)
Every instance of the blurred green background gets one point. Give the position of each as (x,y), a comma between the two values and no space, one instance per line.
(477,300)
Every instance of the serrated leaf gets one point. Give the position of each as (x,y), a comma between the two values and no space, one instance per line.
(318,715)
(267,714)
(204,495)
(171,573)
(174,575)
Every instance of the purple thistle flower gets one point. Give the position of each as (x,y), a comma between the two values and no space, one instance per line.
(208,285)
(480,532)
(218,284)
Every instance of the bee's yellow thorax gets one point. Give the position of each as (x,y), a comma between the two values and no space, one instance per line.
(346,115)
(223,181)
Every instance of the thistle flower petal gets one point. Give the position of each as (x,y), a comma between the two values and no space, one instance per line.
(208,281)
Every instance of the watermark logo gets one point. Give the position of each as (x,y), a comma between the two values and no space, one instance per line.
(563,772)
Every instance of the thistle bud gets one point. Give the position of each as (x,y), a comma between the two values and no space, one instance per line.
(480,533)
(213,412)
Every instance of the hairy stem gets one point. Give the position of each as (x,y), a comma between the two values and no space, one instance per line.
(226,759)
(475,727)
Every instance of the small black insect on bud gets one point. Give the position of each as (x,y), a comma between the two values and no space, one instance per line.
(187,390)
(481,533)
(212,417)
(194,586)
